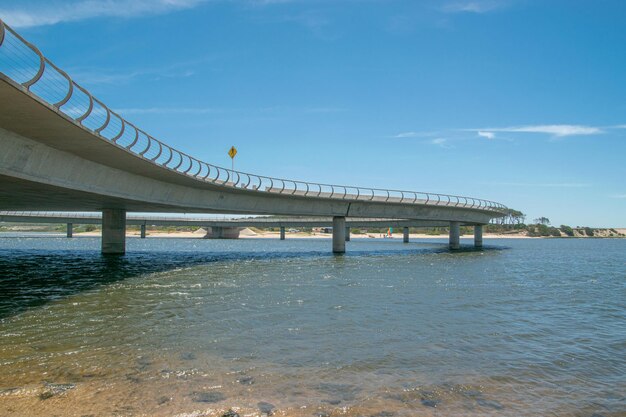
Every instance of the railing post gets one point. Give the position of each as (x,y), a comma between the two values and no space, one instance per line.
(2,32)
(70,230)
(405,235)
(42,64)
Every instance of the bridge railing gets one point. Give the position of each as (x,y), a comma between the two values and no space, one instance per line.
(24,64)
(77,217)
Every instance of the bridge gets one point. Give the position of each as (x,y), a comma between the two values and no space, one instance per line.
(65,150)
(219,228)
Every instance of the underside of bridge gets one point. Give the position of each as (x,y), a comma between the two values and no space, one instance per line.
(41,177)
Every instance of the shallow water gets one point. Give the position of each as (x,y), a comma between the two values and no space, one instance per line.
(196,327)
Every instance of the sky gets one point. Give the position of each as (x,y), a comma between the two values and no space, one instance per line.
(518,101)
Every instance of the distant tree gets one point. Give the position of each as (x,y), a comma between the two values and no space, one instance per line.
(542,220)
(511,217)
(554,232)
(567,230)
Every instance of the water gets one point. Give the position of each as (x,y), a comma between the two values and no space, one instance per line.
(196,327)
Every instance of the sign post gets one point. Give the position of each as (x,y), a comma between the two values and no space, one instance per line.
(232,152)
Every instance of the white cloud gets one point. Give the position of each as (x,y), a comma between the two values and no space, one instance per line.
(475,6)
(442,142)
(168,110)
(213,110)
(55,12)
(270,2)
(555,130)
(325,110)
(488,135)
(105,77)
(543,185)
(406,135)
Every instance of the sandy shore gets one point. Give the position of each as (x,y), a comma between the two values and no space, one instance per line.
(276,235)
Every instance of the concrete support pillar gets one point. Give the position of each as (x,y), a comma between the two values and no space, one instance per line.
(217,232)
(113,231)
(143,231)
(347,234)
(282,233)
(70,230)
(455,235)
(405,235)
(339,234)
(478,236)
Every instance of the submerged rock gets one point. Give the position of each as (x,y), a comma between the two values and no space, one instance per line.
(143,363)
(230,413)
(491,404)
(266,408)
(430,403)
(246,380)
(55,389)
(133,378)
(188,356)
(164,399)
(344,391)
(208,397)
(8,391)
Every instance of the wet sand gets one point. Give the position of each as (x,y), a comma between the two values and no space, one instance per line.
(195,385)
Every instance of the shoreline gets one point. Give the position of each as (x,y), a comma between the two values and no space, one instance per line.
(248,234)
(276,235)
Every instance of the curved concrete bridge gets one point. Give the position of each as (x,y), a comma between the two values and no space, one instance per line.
(63,149)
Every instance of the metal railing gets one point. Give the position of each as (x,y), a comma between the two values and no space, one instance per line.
(134,216)
(25,65)
(252,220)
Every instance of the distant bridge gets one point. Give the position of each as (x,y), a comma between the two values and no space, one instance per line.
(217,226)
(63,149)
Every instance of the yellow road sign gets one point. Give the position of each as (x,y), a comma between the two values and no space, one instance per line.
(232,152)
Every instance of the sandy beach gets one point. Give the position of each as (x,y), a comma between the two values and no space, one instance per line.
(248,234)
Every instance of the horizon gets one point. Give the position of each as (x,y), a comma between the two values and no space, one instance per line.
(526,97)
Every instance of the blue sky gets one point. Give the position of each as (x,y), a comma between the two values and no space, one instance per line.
(518,101)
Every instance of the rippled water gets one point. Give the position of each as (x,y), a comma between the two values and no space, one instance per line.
(196,327)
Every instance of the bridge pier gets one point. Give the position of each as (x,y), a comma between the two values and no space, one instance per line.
(455,235)
(217,232)
(113,232)
(70,230)
(347,234)
(405,235)
(339,234)
(478,236)
(143,231)
(282,233)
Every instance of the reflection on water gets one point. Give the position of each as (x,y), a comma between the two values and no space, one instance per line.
(196,327)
